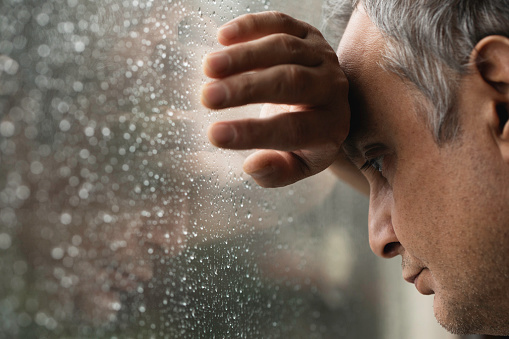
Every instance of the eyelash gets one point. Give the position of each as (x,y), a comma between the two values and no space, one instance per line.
(373,165)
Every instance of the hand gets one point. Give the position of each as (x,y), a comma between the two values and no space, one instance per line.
(273,58)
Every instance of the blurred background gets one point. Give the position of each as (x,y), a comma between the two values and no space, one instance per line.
(119,220)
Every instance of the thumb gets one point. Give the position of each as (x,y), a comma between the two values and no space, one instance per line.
(270,168)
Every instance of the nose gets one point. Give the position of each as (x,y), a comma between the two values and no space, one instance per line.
(382,237)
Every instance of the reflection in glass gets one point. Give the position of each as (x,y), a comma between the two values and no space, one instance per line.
(117,217)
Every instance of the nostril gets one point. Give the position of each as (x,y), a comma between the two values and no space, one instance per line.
(391,249)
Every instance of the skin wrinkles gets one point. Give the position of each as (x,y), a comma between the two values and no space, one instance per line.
(431,213)
(441,206)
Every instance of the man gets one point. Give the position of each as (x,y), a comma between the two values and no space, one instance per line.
(418,102)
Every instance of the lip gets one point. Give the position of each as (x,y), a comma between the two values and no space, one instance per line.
(419,280)
(411,278)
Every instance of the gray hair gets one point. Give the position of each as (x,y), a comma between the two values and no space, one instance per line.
(429,43)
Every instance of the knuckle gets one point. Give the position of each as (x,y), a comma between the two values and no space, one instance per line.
(285,20)
(315,31)
(281,17)
(290,45)
(248,89)
(249,22)
(296,132)
(249,58)
(298,78)
(281,86)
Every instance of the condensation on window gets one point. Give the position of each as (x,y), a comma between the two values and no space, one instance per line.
(119,220)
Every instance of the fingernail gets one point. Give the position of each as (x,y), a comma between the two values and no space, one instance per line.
(229,31)
(222,134)
(261,172)
(214,94)
(218,62)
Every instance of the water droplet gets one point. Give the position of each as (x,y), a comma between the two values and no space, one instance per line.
(7,129)
(57,253)
(65,218)
(43,50)
(5,241)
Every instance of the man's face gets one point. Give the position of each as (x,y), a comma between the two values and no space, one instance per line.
(441,208)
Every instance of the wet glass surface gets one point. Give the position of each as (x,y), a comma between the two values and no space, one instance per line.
(119,219)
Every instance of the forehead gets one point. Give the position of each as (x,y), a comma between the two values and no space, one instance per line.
(361,44)
(382,104)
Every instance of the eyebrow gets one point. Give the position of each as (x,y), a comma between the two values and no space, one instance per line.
(351,145)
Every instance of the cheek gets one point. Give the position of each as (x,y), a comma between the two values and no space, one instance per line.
(421,211)
(442,213)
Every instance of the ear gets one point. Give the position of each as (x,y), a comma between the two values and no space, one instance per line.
(491,58)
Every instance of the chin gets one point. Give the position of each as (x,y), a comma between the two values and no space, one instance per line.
(463,318)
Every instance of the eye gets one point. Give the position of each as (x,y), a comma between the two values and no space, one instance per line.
(375,164)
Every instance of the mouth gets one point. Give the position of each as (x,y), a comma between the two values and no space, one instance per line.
(420,280)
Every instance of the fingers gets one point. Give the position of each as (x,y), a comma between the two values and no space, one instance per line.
(277,169)
(288,84)
(282,49)
(253,26)
(286,131)
(274,169)
(283,61)
(275,59)
(293,64)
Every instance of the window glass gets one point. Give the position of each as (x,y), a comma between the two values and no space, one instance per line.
(119,219)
